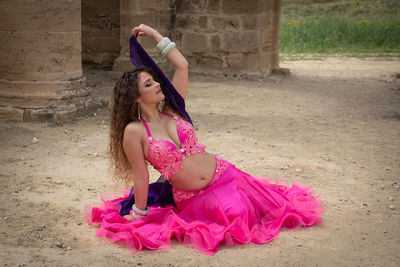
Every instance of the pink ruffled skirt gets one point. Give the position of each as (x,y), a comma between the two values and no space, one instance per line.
(235,208)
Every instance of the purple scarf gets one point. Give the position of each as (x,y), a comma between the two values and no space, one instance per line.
(139,57)
(160,194)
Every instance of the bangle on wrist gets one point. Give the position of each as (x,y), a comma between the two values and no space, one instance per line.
(135,215)
(168,48)
(138,211)
(163,43)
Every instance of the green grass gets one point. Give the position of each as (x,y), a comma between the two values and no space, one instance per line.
(294,9)
(316,29)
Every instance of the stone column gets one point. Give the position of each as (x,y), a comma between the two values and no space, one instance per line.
(271,40)
(41,67)
(159,14)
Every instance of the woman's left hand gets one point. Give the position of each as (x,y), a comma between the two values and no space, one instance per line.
(144,30)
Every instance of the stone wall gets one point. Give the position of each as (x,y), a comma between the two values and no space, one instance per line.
(100,31)
(231,38)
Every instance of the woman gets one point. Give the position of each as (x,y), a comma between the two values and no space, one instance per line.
(216,203)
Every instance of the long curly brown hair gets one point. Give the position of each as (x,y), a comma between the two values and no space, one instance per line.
(124,111)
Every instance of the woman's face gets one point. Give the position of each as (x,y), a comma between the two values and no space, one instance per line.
(149,90)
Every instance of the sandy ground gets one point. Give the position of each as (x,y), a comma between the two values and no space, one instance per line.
(332,124)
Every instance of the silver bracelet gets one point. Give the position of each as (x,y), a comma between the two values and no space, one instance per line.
(135,215)
(140,211)
(163,43)
(168,48)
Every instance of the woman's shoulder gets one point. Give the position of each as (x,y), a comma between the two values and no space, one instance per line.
(134,129)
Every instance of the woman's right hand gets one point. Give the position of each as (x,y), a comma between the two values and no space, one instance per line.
(144,30)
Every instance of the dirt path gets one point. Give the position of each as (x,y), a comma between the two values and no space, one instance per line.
(333,124)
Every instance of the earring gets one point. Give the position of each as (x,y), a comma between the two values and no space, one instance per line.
(138,108)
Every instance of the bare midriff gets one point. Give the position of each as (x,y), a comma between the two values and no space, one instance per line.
(197,171)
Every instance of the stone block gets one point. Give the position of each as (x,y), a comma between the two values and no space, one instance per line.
(203,22)
(267,40)
(11,114)
(240,42)
(233,7)
(211,63)
(275,43)
(249,22)
(265,62)
(200,5)
(249,41)
(235,61)
(251,62)
(186,22)
(145,6)
(264,21)
(215,42)
(42,115)
(62,116)
(214,6)
(231,41)
(194,42)
(274,62)
(209,67)
(186,7)
(28,115)
(222,23)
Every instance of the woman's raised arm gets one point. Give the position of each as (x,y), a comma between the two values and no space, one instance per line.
(180,79)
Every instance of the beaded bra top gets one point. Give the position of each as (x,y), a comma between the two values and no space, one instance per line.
(164,156)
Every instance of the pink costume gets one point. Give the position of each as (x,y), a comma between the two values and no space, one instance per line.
(234,208)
